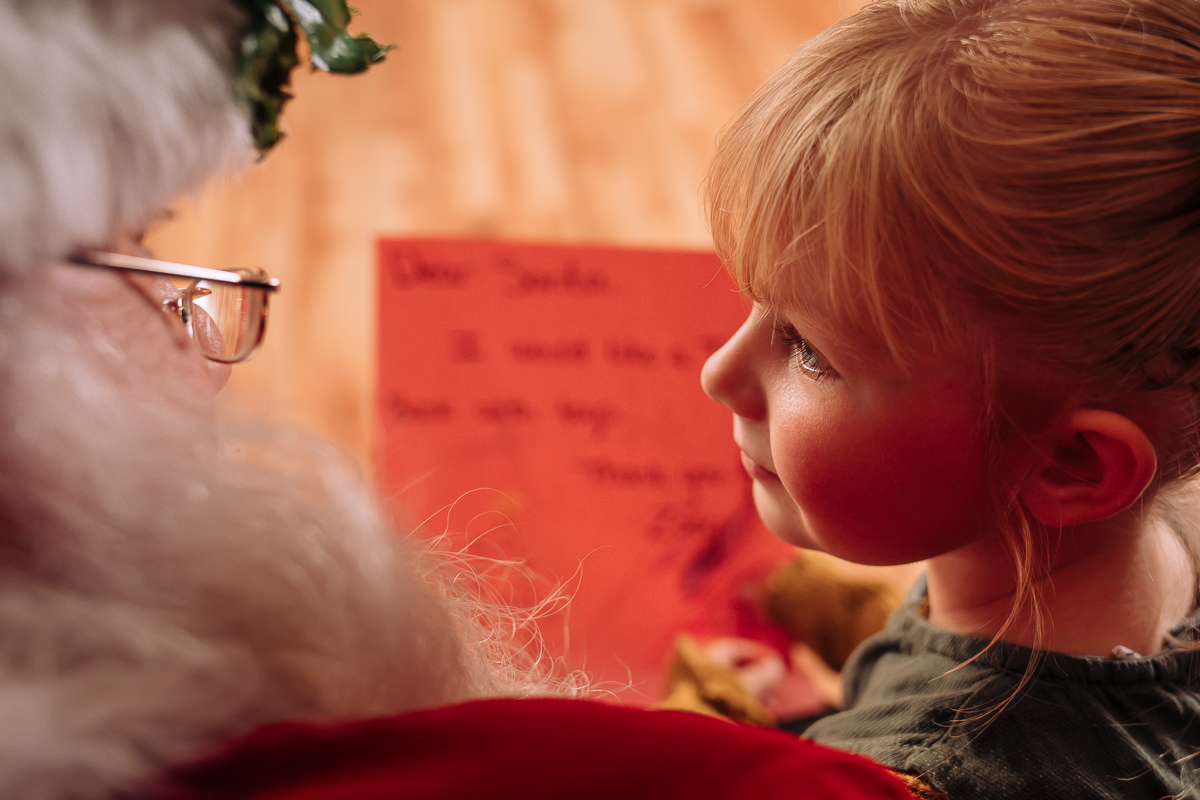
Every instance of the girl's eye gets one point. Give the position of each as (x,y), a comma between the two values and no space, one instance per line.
(803,354)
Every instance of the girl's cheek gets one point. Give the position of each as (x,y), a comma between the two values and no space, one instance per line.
(897,486)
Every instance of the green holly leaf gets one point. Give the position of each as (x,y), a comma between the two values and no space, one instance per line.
(264,68)
(268,55)
(333,48)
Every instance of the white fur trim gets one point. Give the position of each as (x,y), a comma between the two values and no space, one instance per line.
(109,110)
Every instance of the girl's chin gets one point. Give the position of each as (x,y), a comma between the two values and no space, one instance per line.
(783,522)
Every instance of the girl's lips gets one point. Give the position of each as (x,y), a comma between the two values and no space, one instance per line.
(757,471)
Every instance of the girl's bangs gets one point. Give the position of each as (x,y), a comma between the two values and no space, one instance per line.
(806,215)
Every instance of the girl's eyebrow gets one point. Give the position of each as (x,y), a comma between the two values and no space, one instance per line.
(804,323)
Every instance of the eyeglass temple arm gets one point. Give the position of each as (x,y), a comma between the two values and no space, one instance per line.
(101,258)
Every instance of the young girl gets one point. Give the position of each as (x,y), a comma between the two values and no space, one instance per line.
(971,232)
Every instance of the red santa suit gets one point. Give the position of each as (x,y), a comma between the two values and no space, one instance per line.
(530,748)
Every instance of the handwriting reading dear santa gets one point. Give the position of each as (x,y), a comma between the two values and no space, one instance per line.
(562,384)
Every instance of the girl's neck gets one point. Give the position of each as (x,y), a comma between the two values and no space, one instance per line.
(1110,584)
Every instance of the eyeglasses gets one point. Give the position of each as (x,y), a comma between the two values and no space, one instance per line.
(225,311)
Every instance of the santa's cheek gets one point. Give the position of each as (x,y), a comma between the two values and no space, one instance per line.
(219,374)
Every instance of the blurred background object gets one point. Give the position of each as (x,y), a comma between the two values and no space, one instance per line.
(566,121)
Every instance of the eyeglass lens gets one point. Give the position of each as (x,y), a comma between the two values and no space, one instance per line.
(226,320)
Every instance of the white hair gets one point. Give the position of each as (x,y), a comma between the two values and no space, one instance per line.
(162,589)
(166,582)
(109,110)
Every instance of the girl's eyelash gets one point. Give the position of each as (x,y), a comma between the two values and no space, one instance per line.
(809,361)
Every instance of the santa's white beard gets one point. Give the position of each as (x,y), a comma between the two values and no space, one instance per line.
(163,586)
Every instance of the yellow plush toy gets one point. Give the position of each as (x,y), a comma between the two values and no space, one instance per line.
(818,604)
(822,607)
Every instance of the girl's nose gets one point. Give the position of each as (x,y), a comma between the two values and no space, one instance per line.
(730,375)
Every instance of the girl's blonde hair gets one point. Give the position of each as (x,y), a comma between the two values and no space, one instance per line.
(1013,182)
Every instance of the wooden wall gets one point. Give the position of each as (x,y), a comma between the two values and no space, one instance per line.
(545,120)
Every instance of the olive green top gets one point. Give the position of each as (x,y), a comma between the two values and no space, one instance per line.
(1083,727)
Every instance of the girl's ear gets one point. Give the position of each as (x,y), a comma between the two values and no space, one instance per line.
(1098,464)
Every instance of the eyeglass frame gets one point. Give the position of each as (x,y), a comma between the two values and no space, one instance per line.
(122,261)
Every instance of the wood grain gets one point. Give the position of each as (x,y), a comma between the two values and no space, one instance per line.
(588,121)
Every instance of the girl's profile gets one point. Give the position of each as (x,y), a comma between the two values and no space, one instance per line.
(971,233)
